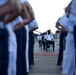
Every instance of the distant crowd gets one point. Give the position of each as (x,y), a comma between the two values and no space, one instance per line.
(46,39)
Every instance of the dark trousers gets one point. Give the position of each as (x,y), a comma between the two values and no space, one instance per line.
(40,43)
(44,43)
(21,64)
(50,42)
(61,49)
(19,51)
(4,54)
(31,48)
(24,51)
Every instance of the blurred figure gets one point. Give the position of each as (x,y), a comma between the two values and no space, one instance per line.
(69,53)
(44,40)
(40,40)
(49,40)
(32,27)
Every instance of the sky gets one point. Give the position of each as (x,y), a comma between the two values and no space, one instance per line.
(47,12)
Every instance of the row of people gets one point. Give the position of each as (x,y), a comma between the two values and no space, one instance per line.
(67,23)
(17,23)
(46,39)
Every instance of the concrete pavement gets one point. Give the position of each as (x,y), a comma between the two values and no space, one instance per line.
(45,62)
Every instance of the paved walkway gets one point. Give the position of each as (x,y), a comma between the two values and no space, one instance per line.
(45,62)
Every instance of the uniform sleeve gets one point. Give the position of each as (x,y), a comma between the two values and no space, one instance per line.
(62,20)
(65,22)
(30,24)
(68,25)
(35,23)
(18,20)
